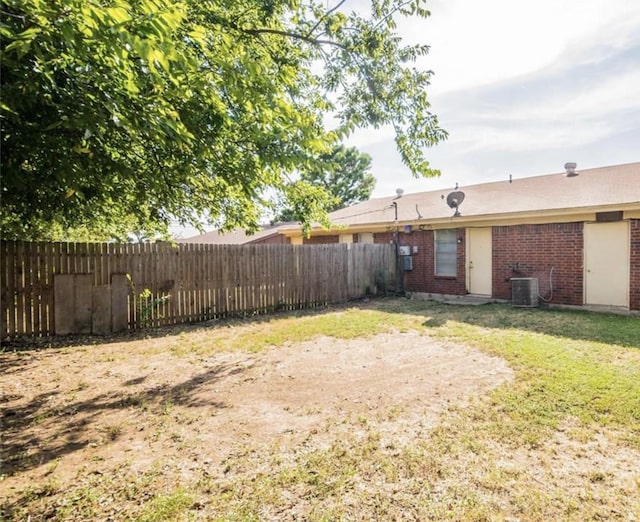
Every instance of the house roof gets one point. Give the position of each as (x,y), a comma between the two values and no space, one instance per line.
(235,237)
(600,189)
(592,189)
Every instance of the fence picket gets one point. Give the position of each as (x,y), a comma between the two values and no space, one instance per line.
(30,305)
(188,282)
(8,289)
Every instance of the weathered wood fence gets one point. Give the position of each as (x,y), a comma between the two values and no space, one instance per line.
(56,288)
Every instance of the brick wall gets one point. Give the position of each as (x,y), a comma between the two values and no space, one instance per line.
(383,237)
(422,278)
(320,240)
(634,275)
(532,251)
(518,251)
(276,239)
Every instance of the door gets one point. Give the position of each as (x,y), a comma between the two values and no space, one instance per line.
(479,267)
(606,263)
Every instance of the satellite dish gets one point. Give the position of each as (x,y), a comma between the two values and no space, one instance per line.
(454,200)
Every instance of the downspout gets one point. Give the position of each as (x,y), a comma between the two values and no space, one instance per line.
(399,278)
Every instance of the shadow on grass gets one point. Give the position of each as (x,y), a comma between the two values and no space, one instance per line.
(68,341)
(42,431)
(50,346)
(575,324)
(623,330)
(49,427)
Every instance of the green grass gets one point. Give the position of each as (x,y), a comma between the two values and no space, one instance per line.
(569,363)
(571,367)
(585,366)
(261,334)
(576,377)
(166,506)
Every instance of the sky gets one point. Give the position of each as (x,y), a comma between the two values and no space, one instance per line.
(522,87)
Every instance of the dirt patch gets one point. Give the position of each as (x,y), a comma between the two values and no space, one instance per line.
(296,390)
(70,413)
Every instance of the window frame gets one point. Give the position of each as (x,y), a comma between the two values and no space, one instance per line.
(445,252)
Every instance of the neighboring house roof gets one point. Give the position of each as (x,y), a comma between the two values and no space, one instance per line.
(235,237)
(616,187)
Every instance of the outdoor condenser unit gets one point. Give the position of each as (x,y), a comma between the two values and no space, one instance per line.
(524,292)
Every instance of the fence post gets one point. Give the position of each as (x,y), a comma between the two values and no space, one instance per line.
(119,302)
(101,310)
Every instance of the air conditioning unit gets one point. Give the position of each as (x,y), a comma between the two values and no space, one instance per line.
(524,292)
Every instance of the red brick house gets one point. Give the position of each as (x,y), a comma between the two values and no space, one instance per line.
(576,234)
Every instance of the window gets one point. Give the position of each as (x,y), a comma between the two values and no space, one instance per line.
(446,252)
(365,237)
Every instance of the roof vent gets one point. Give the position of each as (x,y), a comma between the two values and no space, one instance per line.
(399,192)
(570,170)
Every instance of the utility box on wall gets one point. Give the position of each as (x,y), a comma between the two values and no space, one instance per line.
(406,261)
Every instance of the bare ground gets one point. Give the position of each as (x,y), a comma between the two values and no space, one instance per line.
(100,420)
(84,410)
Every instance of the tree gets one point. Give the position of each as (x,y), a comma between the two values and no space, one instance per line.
(343,173)
(145,111)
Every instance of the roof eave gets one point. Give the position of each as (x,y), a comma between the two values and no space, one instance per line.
(631,210)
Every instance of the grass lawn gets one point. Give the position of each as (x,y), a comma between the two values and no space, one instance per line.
(560,440)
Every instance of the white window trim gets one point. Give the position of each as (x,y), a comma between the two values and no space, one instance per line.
(452,271)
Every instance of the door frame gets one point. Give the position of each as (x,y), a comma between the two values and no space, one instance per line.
(488,275)
(587,267)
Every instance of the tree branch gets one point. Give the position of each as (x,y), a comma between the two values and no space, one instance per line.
(295,36)
(7,13)
(390,14)
(325,16)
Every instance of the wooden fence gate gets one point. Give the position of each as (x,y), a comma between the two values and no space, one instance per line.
(60,288)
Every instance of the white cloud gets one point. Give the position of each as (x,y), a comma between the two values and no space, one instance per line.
(602,97)
(564,116)
(522,87)
(618,31)
(533,136)
(370,136)
(478,43)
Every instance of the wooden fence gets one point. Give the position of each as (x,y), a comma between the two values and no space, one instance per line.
(165,284)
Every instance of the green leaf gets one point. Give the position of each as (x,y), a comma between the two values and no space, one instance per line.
(6,108)
(119,15)
(197,109)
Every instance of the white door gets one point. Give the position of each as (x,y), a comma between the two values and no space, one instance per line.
(479,261)
(606,263)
